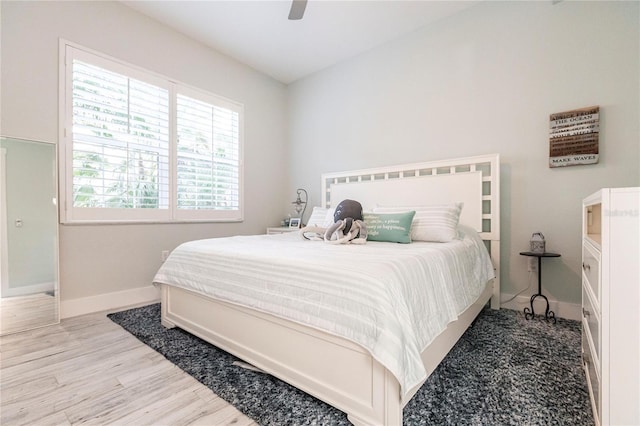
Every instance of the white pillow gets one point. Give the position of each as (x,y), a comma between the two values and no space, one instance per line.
(321,217)
(435,223)
(317,216)
(328,219)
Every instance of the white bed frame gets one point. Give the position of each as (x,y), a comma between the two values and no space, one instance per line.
(333,369)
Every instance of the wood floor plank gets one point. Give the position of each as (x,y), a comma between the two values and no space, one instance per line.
(195,409)
(122,401)
(148,367)
(91,351)
(162,409)
(31,408)
(88,370)
(225,415)
(55,419)
(28,388)
(117,363)
(26,312)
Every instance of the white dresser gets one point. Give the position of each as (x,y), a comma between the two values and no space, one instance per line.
(611,303)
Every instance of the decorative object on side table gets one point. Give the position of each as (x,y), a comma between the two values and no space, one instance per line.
(530,313)
(294,222)
(300,205)
(537,242)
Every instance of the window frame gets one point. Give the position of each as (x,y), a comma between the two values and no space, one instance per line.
(69,214)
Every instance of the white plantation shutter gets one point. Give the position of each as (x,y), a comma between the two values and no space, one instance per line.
(120,141)
(208,154)
(144,148)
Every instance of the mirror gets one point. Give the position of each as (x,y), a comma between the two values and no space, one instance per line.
(28,235)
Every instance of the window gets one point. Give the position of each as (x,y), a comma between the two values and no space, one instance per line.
(141,147)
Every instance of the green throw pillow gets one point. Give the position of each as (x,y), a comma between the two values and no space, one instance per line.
(389,227)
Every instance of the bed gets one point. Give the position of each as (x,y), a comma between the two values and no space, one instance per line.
(350,370)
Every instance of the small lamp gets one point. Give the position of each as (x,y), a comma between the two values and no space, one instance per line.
(300,204)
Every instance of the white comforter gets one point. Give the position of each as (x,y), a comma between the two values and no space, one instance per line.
(393,299)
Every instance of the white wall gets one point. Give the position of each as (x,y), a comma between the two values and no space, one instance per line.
(103,259)
(485,81)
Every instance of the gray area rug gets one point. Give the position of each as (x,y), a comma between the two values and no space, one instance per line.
(505,370)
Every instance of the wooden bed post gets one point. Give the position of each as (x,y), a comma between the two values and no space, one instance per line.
(164,307)
(389,410)
(495,227)
(495,257)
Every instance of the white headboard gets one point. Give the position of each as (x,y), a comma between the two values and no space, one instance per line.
(472,180)
(417,190)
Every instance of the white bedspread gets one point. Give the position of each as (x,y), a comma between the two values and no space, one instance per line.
(392,299)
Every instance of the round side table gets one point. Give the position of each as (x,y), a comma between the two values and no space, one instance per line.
(529,313)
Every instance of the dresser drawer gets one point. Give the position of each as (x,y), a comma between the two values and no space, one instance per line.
(591,269)
(591,321)
(593,381)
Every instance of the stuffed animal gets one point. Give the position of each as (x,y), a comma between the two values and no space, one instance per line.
(348,226)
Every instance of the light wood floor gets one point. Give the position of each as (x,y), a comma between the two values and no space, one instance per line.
(88,370)
(27,312)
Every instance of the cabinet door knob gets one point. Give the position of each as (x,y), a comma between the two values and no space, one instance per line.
(586,266)
(585,313)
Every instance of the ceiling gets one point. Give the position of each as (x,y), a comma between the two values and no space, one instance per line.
(258,33)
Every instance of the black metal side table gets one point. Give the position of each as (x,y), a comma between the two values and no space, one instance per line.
(529,313)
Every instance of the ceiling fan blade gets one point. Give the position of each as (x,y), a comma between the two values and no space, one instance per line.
(297,9)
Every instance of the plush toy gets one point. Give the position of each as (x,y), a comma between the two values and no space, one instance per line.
(348,226)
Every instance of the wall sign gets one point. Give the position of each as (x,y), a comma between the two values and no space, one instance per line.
(573,137)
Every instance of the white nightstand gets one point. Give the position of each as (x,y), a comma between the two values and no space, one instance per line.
(280,230)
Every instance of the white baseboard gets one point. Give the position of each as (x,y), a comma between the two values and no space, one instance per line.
(560,309)
(109,301)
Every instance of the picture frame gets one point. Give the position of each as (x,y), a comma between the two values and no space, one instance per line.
(294,222)
(574,137)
